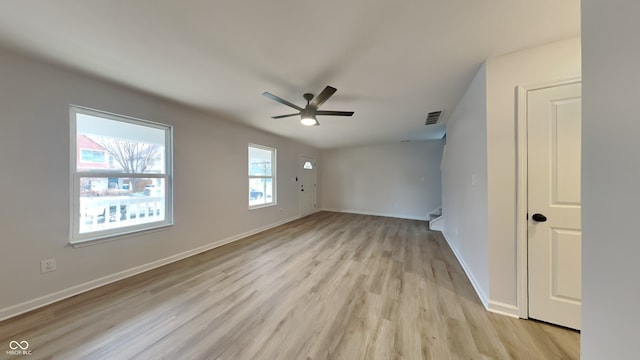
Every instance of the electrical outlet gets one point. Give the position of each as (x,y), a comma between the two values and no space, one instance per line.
(47,265)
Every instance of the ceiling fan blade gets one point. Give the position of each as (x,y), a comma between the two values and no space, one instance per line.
(284,116)
(334,113)
(281,100)
(323,96)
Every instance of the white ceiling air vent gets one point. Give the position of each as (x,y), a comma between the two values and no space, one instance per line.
(433,117)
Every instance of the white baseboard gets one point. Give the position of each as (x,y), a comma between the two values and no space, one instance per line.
(392,215)
(503,309)
(491,305)
(476,286)
(437,224)
(90,285)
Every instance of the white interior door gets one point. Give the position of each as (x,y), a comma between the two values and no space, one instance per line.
(307,185)
(554,229)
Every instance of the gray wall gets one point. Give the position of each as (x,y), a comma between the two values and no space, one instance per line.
(210,161)
(543,64)
(397,180)
(482,228)
(464,184)
(480,222)
(610,173)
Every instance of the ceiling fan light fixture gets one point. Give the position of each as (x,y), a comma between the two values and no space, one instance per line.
(309,112)
(309,121)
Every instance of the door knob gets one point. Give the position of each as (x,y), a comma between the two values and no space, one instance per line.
(539,218)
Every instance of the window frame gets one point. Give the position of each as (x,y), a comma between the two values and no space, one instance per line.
(77,238)
(273,177)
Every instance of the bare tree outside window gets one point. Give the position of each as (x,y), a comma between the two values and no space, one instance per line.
(263,168)
(132,156)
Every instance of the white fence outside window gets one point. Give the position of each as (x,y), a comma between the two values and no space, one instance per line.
(109,212)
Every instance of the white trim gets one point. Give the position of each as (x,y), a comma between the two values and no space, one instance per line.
(476,286)
(134,230)
(309,214)
(522,310)
(75,236)
(521,204)
(274,184)
(29,305)
(503,309)
(372,213)
(99,174)
(260,206)
(437,224)
(490,305)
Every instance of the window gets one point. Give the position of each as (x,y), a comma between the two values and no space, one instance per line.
(121,175)
(92,156)
(262,176)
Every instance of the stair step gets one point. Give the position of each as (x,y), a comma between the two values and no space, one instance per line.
(437,223)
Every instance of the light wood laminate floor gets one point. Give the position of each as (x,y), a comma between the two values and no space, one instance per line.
(328,286)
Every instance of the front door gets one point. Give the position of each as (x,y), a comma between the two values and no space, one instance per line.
(307,185)
(554,229)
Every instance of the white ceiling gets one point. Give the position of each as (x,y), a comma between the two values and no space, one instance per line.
(392,61)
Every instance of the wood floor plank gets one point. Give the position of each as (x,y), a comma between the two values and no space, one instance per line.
(327,286)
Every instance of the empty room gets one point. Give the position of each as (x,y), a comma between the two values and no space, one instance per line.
(337,180)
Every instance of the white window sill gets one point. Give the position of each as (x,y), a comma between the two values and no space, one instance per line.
(262,206)
(100,239)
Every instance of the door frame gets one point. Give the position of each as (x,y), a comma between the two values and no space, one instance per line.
(522,204)
(315,181)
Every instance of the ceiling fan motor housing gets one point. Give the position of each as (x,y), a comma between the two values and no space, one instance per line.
(310,111)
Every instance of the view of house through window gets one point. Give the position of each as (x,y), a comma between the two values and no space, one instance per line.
(121,174)
(262,179)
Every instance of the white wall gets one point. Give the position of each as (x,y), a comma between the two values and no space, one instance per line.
(553,62)
(480,221)
(610,173)
(398,180)
(464,184)
(210,160)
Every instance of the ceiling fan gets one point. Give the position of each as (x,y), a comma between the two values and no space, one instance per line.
(309,113)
